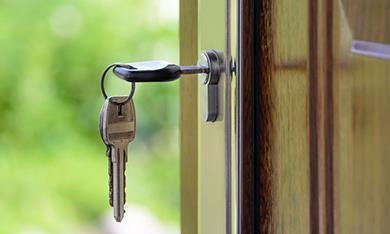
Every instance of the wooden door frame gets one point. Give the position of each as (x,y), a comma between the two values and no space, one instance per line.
(205,160)
(188,119)
(249,207)
(255,119)
(249,121)
(255,67)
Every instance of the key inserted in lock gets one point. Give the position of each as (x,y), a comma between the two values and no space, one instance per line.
(211,65)
(209,88)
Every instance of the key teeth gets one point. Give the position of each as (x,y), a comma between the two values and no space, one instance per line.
(111,202)
(110,181)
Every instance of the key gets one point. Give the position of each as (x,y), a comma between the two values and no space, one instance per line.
(119,130)
(155,71)
(108,150)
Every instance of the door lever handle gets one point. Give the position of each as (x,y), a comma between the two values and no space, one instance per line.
(210,62)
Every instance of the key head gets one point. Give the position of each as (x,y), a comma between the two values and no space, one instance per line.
(150,71)
(118,121)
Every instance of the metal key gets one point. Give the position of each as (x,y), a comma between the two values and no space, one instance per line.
(118,130)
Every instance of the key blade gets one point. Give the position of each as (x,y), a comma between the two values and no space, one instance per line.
(118,169)
(194,70)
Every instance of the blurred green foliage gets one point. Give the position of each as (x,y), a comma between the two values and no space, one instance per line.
(53,171)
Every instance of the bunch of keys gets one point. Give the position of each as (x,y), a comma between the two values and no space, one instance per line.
(117,117)
(117,130)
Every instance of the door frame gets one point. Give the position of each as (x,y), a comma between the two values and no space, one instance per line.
(188,119)
(252,120)
(205,147)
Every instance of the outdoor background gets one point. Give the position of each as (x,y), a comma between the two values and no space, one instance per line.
(53,168)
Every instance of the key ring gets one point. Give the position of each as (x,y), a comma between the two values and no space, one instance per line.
(132,91)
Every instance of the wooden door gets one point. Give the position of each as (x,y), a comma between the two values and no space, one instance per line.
(361,149)
(317,157)
(310,140)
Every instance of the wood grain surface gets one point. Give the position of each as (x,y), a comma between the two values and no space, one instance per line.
(293,149)
(248,190)
(189,119)
(317,151)
(368,20)
(275,157)
(362,113)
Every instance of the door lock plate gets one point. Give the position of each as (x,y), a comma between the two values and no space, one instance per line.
(209,83)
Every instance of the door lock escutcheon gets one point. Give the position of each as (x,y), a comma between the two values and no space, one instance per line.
(210,67)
